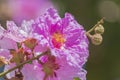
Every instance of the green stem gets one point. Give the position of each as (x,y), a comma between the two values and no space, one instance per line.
(34,58)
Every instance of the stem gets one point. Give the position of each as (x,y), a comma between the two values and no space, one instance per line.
(34,58)
(89,35)
(99,22)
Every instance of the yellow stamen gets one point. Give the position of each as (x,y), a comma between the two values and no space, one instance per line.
(59,37)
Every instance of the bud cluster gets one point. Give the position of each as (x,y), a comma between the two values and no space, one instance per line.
(98,29)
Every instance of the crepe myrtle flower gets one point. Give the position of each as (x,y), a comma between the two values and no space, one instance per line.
(66,39)
(16,33)
(16,38)
(13,35)
(9,40)
(20,34)
(64,36)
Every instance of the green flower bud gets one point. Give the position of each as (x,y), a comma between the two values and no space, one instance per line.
(96,39)
(99,29)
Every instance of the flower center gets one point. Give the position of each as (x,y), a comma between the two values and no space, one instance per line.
(58,39)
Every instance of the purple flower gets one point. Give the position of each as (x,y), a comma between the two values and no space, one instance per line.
(27,9)
(64,36)
(66,39)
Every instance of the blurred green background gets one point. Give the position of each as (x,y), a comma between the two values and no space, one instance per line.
(104,60)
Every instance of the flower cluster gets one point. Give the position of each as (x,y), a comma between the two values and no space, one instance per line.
(61,42)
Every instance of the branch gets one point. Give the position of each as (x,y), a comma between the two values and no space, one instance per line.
(99,22)
(34,58)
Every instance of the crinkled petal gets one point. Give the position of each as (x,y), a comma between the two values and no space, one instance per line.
(19,34)
(67,72)
(2,31)
(13,31)
(32,72)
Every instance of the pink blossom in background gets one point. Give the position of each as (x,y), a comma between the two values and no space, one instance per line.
(28,9)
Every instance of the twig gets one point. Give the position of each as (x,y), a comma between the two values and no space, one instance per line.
(34,58)
(99,22)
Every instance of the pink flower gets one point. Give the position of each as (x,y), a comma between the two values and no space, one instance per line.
(64,36)
(67,42)
(8,40)
(27,9)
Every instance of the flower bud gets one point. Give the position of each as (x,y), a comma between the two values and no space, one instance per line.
(96,39)
(99,29)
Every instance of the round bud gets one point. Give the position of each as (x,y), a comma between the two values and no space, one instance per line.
(99,29)
(96,39)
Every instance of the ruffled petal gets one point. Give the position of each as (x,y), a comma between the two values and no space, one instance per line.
(32,72)
(67,72)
